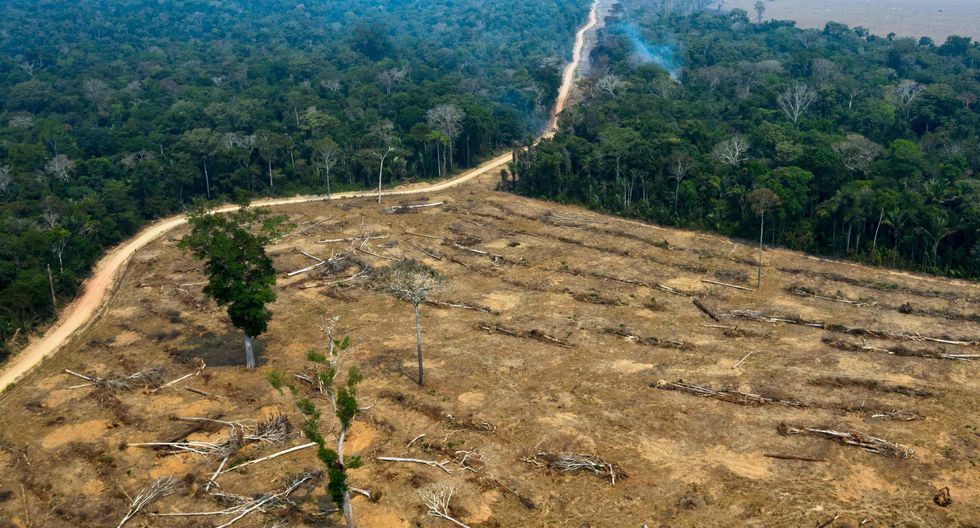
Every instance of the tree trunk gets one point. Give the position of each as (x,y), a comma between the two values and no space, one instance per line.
(326,169)
(874,243)
(271,185)
(348,511)
(54,300)
(762,230)
(380,172)
(207,180)
(249,353)
(418,341)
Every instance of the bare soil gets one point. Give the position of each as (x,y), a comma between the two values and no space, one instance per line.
(586,314)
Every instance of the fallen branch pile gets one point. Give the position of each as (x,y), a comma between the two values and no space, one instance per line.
(747,398)
(593,297)
(526,334)
(649,341)
(871,385)
(898,350)
(575,462)
(240,506)
(852,438)
(274,430)
(728,395)
(459,305)
(437,499)
(149,379)
(850,330)
(401,209)
(160,488)
(881,286)
(803,291)
(438,414)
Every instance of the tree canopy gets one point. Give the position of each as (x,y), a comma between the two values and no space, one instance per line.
(871,145)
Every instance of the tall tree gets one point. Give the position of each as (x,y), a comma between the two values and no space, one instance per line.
(239,272)
(762,200)
(414,282)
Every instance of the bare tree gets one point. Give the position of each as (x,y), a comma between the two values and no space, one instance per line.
(762,200)
(448,119)
(714,75)
(967,99)
(824,72)
(51,218)
(795,100)
(609,84)
(6,178)
(760,11)
(97,91)
(414,282)
(382,155)
(331,85)
(60,167)
(733,151)
(437,499)
(857,152)
(390,78)
(680,164)
(327,151)
(268,144)
(130,161)
(904,94)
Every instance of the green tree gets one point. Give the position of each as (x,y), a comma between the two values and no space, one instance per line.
(240,274)
(343,398)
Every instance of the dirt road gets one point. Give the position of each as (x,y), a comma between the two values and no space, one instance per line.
(568,77)
(97,289)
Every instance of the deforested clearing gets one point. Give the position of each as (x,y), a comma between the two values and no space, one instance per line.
(547,352)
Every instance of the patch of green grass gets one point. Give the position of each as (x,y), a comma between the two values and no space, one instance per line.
(316,357)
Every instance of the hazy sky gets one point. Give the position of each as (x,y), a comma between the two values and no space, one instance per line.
(934,18)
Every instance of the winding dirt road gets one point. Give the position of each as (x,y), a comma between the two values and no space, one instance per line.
(98,288)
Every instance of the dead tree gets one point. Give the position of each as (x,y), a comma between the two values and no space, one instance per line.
(160,488)
(733,151)
(414,282)
(795,101)
(762,200)
(437,499)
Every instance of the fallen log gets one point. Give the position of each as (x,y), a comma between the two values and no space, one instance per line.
(871,385)
(527,334)
(852,330)
(733,286)
(793,457)
(869,443)
(896,350)
(728,395)
(708,311)
(399,209)
(648,341)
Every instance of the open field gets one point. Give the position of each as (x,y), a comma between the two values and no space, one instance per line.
(572,334)
(908,18)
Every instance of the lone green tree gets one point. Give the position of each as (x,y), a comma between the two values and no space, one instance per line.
(414,282)
(762,200)
(343,397)
(240,274)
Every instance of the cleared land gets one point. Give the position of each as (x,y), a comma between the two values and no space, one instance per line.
(573,333)
(908,18)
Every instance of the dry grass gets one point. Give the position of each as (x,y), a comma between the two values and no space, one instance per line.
(536,344)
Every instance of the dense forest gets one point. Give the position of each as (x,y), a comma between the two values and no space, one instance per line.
(847,143)
(115,112)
